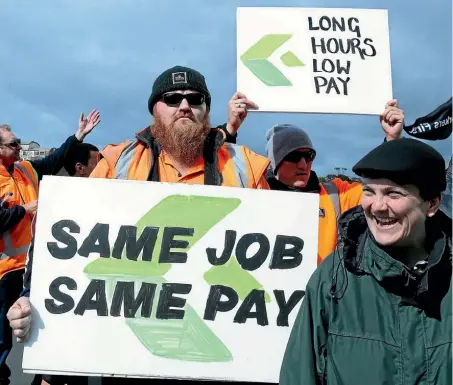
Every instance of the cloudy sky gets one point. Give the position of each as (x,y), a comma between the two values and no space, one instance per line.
(59,58)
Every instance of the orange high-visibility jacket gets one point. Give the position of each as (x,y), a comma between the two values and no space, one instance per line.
(133,160)
(335,198)
(14,244)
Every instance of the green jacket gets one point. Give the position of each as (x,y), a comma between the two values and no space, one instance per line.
(368,319)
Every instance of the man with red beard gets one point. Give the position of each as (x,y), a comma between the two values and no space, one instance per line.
(180,146)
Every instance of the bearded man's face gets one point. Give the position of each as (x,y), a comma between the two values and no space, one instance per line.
(181,127)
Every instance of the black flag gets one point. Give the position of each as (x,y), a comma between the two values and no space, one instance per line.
(434,126)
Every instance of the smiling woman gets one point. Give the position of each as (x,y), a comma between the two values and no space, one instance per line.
(396,214)
(401,191)
(394,269)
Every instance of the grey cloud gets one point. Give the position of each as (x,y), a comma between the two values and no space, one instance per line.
(61,58)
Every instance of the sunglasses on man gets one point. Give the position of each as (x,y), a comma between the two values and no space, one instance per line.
(14,144)
(296,156)
(175,99)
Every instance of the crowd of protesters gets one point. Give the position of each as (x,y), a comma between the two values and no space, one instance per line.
(378,308)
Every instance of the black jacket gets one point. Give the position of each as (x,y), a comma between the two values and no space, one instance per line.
(53,163)
(10,217)
(311,187)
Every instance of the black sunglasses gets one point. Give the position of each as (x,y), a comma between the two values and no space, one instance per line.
(15,143)
(296,156)
(174,99)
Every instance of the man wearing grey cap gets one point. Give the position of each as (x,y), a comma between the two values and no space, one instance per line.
(292,153)
(378,310)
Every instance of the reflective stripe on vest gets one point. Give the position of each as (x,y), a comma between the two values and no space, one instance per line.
(240,168)
(235,152)
(27,174)
(124,161)
(10,251)
(332,190)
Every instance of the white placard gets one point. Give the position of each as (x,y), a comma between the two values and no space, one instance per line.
(232,326)
(318,60)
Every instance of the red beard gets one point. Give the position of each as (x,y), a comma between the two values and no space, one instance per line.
(182,140)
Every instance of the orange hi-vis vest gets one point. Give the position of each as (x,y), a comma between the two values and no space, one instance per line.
(14,244)
(335,198)
(133,160)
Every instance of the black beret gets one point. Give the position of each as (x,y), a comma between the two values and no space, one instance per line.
(175,79)
(406,161)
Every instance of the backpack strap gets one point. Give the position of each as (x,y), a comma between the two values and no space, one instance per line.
(332,190)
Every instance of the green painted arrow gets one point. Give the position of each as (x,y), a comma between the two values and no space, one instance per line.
(255,59)
(291,60)
(189,339)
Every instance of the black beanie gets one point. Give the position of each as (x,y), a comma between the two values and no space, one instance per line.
(406,161)
(178,78)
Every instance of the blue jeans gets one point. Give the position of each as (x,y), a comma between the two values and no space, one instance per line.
(10,289)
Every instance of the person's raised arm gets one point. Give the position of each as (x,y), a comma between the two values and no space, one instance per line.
(238,107)
(392,120)
(52,164)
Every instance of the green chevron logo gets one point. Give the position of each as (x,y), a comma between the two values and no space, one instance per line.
(256,60)
(191,338)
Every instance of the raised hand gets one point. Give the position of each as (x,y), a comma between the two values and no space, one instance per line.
(392,120)
(238,107)
(87,124)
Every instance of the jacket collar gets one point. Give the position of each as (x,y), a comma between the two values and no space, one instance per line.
(214,141)
(312,185)
(362,255)
(145,137)
(7,172)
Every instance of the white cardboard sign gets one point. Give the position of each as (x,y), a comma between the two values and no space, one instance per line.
(147,279)
(318,60)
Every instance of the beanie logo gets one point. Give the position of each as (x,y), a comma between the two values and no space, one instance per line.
(322,213)
(179,77)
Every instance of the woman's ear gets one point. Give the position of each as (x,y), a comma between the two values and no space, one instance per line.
(434,205)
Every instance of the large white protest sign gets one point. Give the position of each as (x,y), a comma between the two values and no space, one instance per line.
(149,279)
(319,60)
